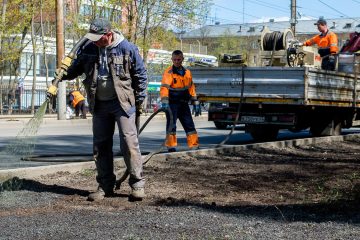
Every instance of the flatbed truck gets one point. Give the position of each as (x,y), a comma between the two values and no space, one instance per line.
(268,99)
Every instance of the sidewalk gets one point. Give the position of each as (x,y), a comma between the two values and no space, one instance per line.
(55,116)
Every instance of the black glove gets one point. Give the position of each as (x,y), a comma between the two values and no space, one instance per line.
(197,108)
(165,106)
(332,58)
(331,64)
(139,107)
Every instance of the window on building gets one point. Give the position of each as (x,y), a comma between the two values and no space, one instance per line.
(251,29)
(9,69)
(347,25)
(85,10)
(26,64)
(254,45)
(51,63)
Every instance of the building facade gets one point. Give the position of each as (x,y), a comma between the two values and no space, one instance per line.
(246,37)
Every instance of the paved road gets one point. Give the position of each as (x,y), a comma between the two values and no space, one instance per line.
(74,138)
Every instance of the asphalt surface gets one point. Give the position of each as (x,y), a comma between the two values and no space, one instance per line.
(165,222)
(62,141)
(65,141)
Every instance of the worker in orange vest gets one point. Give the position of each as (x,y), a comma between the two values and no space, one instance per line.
(327,43)
(176,91)
(77,101)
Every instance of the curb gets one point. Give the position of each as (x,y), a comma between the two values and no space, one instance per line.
(76,167)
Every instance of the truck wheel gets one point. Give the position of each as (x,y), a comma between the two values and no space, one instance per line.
(261,133)
(220,125)
(326,128)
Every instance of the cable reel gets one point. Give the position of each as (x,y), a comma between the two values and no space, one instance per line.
(275,41)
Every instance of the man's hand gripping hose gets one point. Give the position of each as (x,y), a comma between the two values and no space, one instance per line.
(62,71)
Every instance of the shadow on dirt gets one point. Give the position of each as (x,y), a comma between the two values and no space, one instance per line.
(340,211)
(316,183)
(17,184)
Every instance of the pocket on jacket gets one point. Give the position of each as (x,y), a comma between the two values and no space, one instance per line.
(119,68)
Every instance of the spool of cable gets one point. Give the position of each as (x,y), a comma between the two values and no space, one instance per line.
(276,40)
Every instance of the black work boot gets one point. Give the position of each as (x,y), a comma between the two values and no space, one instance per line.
(99,195)
(171,149)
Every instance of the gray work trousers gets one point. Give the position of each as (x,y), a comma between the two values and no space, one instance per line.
(106,114)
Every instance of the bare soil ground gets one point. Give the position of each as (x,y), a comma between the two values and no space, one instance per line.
(310,183)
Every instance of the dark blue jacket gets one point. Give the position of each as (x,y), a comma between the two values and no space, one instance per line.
(126,68)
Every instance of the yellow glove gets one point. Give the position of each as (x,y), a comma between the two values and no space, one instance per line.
(66,62)
(62,71)
(51,91)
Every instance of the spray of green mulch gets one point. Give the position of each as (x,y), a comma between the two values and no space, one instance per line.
(24,143)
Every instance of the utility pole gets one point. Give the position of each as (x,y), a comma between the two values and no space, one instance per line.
(293,16)
(243,11)
(60,46)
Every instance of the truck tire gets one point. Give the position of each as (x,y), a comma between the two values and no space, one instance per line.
(326,128)
(261,133)
(220,125)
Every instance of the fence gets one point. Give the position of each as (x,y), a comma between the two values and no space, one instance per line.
(192,48)
(18,101)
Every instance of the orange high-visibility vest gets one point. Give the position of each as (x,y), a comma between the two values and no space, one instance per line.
(177,83)
(328,41)
(77,98)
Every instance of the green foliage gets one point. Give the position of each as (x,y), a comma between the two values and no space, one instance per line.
(226,44)
(155,17)
(17,22)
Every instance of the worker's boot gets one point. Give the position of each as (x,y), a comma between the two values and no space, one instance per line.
(137,193)
(171,149)
(99,195)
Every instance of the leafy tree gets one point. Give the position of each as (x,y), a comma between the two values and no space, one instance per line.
(17,17)
(155,16)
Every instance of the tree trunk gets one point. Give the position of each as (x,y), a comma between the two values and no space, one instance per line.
(33,41)
(4,5)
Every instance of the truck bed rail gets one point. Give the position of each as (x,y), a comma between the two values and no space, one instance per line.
(277,85)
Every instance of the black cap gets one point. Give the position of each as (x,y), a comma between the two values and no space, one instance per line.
(98,27)
(321,21)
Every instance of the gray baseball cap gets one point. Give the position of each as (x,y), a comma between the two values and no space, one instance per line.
(321,21)
(98,27)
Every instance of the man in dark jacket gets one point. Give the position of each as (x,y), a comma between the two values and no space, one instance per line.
(116,83)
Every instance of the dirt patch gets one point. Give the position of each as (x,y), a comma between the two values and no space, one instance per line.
(325,175)
(308,192)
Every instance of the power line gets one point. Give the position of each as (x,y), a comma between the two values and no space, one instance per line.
(317,11)
(355,20)
(334,9)
(272,6)
(229,9)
